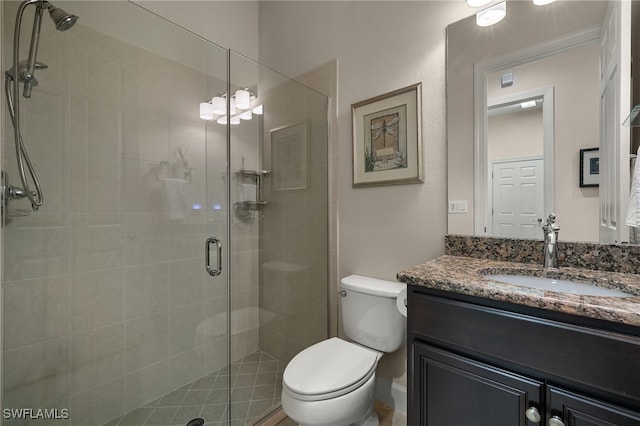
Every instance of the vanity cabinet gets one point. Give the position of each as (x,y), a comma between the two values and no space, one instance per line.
(474,362)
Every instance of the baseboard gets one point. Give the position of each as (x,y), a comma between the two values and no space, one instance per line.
(391,394)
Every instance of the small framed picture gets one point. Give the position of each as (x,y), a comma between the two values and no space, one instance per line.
(387,138)
(589,167)
(289,157)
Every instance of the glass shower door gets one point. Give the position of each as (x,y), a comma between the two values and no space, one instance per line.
(279,230)
(109,315)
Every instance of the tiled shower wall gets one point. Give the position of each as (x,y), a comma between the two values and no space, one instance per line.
(294,233)
(107,304)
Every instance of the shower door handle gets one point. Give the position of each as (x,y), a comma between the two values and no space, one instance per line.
(207,256)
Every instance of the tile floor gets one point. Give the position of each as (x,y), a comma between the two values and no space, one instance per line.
(387,415)
(256,384)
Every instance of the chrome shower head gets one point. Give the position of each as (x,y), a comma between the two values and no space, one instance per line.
(62,19)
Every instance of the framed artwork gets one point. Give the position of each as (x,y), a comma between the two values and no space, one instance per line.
(589,167)
(289,157)
(387,138)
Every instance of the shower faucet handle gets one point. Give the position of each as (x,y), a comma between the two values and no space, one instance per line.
(22,70)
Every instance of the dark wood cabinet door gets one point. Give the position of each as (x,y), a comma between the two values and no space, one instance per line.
(455,391)
(578,410)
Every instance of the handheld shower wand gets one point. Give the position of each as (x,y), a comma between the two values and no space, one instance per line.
(62,20)
(27,74)
(24,71)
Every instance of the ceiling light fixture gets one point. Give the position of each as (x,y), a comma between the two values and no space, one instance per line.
(491,15)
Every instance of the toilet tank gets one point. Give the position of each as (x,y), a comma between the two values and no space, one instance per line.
(370,315)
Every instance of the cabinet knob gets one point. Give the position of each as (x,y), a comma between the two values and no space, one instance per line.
(533,415)
(556,421)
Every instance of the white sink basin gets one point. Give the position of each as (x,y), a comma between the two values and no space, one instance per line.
(558,285)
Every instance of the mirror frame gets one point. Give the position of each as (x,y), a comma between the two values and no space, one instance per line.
(480,117)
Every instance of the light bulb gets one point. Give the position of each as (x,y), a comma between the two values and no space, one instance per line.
(246,115)
(206,111)
(243,99)
(219,105)
(491,15)
(478,3)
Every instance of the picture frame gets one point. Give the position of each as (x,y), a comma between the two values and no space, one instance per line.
(589,167)
(289,157)
(387,138)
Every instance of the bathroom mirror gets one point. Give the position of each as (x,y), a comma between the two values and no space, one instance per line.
(546,54)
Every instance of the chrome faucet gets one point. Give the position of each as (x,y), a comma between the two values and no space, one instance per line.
(551,230)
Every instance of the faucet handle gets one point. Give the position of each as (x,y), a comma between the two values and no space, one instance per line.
(551,223)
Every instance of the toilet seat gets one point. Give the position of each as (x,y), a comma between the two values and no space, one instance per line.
(329,369)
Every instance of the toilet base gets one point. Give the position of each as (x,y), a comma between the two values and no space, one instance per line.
(354,408)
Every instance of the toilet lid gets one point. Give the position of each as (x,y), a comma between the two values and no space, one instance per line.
(329,366)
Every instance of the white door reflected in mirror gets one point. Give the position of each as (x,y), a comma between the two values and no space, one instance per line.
(515,152)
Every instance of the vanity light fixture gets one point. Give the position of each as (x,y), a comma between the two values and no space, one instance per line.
(528,104)
(478,3)
(496,13)
(491,15)
(243,105)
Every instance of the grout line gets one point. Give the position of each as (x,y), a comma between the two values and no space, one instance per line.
(232,373)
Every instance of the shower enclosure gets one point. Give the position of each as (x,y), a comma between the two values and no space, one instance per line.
(177,263)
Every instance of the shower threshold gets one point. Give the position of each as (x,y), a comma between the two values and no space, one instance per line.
(256,385)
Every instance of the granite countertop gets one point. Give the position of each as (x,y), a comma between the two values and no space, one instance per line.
(464,275)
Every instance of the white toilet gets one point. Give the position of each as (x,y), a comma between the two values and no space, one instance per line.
(332,382)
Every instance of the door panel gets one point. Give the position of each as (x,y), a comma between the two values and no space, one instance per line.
(577,410)
(615,103)
(518,198)
(459,391)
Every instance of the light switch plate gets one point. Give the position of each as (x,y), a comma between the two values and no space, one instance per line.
(458,206)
